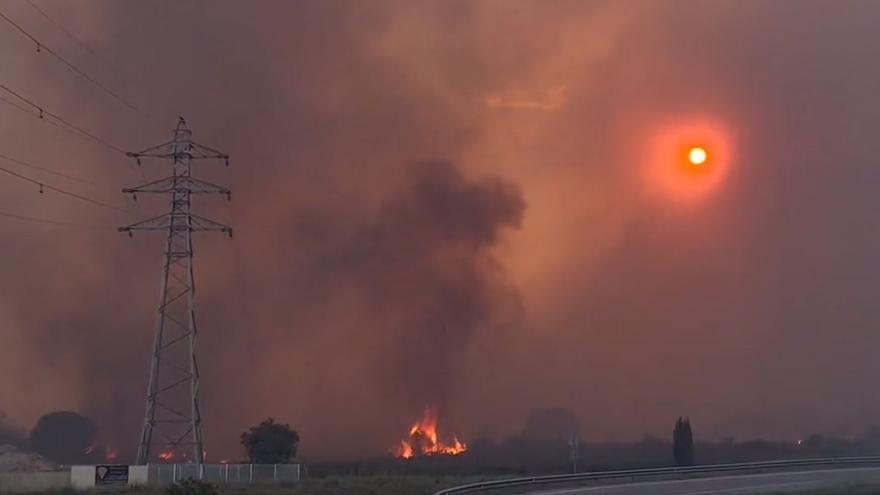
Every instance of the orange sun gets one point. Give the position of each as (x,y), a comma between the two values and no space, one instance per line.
(688,160)
(697,155)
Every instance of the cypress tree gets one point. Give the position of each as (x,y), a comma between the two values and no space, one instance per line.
(683,442)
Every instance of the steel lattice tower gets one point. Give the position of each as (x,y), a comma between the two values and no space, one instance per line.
(172,421)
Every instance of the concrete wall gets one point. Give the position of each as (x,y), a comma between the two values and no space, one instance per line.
(30,482)
(138,475)
(82,477)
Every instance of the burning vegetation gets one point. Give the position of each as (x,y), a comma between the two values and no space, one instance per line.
(424,440)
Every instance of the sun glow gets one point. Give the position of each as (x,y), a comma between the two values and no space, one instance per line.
(688,160)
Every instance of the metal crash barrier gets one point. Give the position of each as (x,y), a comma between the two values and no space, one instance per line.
(633,474)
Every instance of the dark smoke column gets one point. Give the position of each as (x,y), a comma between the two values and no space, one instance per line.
(426,274)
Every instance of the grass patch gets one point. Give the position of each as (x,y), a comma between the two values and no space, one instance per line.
(360,485)
(412,484)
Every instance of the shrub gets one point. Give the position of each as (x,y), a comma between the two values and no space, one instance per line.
(190,486)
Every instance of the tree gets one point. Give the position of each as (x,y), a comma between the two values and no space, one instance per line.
(683,442)
(64,437)
(270,443)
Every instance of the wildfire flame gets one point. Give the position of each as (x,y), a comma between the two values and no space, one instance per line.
(423,439)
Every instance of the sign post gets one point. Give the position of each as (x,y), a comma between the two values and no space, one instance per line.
(111,474)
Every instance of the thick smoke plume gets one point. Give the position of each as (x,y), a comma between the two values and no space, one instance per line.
(425,277)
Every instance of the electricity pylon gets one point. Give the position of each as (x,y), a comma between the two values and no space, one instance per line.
(172,411)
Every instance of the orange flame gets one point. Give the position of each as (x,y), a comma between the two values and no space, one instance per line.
(424,439)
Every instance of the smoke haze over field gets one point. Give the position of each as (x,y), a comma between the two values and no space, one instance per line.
(447,202)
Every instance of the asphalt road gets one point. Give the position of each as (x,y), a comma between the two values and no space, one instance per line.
(735,484)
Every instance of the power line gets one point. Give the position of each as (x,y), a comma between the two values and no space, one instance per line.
(66,127)
(42,112)
(16,105)
(41,47)
(43,185)
(50,221)
(72,37)
(46,170)
(72,132)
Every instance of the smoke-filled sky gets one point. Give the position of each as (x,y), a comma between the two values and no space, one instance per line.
(462,204)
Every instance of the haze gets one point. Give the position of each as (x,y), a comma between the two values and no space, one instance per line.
(446,203)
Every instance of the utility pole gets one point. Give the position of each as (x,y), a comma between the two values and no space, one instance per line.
(173,421)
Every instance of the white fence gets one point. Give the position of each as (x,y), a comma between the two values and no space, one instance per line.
(166,474)
(88,477)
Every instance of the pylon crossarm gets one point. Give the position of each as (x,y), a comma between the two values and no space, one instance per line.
(178,184)
(152,150)
(157,223)
(202,152)
(205,224)
(199,224)
(192,151)
(159,185)
(198,186)
(163,150)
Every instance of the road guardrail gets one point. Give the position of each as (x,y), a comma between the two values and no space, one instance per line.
(642,473)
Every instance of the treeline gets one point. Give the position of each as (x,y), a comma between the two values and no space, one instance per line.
(522,454)
(550,443)
(533,455)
